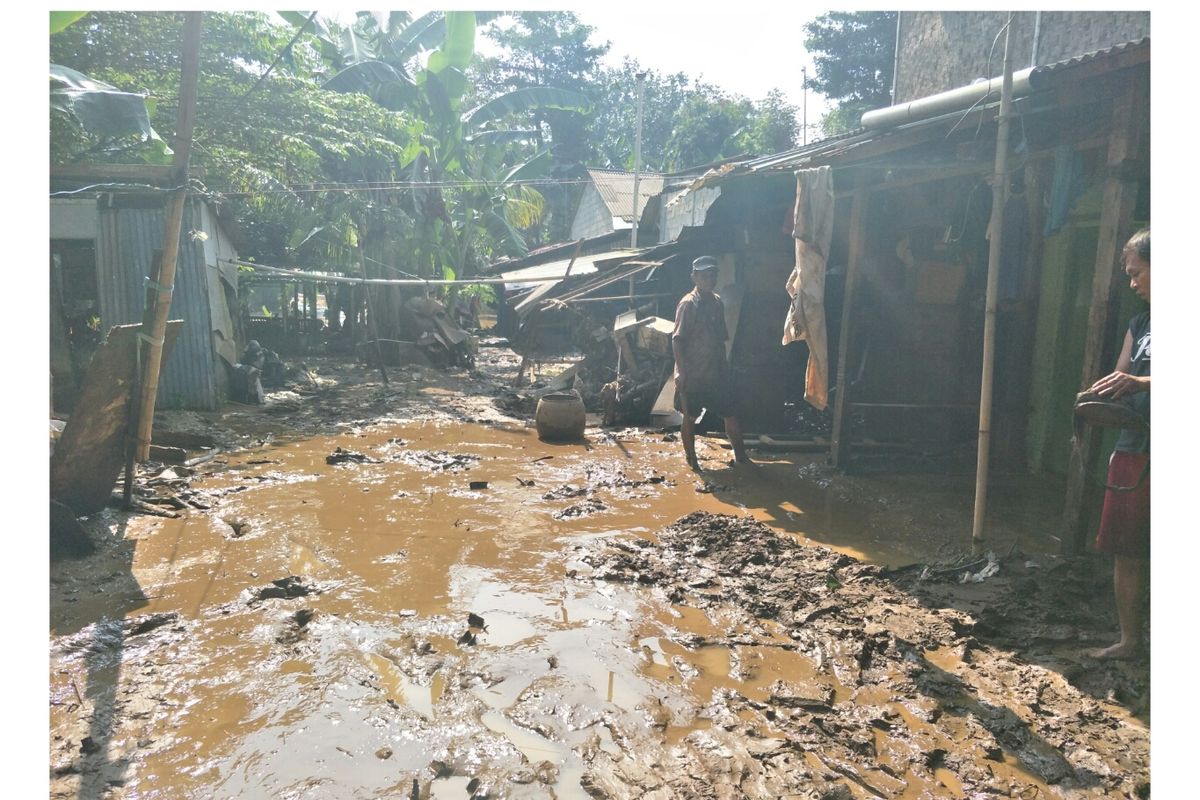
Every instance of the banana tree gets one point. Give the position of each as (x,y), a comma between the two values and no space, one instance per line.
(117,119)
(468,149)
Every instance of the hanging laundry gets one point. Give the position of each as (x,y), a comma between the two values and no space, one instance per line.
(812,228)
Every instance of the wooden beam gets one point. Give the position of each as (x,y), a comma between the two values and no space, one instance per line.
(1116,216)
(840,451)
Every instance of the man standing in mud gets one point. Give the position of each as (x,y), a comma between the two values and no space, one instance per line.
(702,384)
(1125,521)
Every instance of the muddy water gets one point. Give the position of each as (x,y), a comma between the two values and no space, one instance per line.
(365,682)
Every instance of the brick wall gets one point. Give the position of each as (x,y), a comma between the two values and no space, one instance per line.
(941,50)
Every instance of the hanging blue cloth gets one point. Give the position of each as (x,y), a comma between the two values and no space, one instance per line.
(1066,189)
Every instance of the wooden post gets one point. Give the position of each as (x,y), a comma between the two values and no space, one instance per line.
(1116,215)
(1023,323)
(372,321)
(157,314)
(996,236)
(840,451)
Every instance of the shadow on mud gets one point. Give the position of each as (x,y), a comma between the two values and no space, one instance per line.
(94,632)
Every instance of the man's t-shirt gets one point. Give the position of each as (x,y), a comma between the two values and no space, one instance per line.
(1133,440)
(700,331)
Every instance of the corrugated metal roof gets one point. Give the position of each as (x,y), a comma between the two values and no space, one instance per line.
(839,145)
(1096,55)
(584,265)
(616,189)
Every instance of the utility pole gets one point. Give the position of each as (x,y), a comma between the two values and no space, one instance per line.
(154,324)
(995,228)
(804,87)
(637,160)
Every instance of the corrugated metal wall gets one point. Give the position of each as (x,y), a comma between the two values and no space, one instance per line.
(124,251)
(684,209)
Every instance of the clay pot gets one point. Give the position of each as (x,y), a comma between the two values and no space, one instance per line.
(560,417)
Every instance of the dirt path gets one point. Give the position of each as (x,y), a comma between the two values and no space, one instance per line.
(399,591)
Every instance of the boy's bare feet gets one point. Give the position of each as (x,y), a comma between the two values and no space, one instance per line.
(1121,651)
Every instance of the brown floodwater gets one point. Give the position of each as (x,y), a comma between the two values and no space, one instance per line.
(403,549)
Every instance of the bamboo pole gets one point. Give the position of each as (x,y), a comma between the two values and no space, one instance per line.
(155,321)
(995,227)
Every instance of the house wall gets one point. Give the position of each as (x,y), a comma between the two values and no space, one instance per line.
(592,217)
(125,248)
(74,219)
(942,50)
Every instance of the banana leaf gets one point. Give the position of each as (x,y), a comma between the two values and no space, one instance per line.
(528,99)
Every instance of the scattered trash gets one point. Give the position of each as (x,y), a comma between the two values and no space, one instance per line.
(479,485)
(991,568)
(475,621)
(342,456)
(285,588)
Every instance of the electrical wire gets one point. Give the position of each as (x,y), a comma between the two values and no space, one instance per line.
(324,277)
(988,70)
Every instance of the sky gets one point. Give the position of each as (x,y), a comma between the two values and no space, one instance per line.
(702,46)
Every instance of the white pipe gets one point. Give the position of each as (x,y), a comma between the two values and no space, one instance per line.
(944,103)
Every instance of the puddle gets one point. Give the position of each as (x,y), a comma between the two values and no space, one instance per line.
(404,549)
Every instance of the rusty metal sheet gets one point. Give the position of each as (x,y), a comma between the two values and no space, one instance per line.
(91,452)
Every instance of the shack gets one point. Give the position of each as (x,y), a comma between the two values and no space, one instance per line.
(606,202)
(106,228)
(908,258)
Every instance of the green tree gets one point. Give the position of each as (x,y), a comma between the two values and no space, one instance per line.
(257,145)
(549,48)
(854,54)
(709,126)
(468,158)
(773,127)
(614,125)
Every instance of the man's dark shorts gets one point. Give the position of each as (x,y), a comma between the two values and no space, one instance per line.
(720,400)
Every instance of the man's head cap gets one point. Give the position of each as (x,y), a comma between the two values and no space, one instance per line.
(704,263)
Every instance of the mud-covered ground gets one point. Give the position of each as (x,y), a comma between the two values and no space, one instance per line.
(398,591)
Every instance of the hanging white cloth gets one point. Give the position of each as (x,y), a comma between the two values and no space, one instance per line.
(812,228)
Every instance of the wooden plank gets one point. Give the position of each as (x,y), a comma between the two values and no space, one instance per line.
(157,174)
(91,452)
(840,451)
(1116,216)
(184,439)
